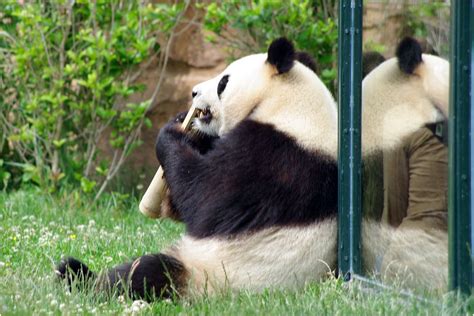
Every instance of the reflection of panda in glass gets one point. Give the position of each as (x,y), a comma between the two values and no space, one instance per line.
(405,105)
(414,174)
(256,186)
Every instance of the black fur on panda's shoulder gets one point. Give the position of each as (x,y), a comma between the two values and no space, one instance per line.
(409,54)
(281,54)
(254,178)
(307,60)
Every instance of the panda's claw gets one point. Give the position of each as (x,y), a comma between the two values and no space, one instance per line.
(180,117)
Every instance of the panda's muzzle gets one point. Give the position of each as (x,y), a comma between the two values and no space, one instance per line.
(204,115)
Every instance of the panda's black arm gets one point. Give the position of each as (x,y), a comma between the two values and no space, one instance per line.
(203,143)
(184,161)
(253,178)
(199,183)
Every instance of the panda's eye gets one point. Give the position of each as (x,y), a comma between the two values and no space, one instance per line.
(222,84)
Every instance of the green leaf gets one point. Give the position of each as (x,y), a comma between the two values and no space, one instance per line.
(59,143)
(87,185)
(77,101)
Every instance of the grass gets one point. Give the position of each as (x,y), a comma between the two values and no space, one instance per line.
(36,229)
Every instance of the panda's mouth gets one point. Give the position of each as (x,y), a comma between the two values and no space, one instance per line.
(204,115)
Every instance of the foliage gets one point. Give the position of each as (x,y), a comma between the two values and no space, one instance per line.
(247,26)
(68,68)
(429,20)
(372,46)
(36,229)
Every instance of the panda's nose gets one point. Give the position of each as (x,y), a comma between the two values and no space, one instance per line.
(194,93)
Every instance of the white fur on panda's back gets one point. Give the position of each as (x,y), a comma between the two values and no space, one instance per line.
(299,104)
(412,257)
(276,257)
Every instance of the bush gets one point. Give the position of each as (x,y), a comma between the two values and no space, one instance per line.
(68,68)
(249,26)
(429,21)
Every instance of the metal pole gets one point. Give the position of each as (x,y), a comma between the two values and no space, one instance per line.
(349,147)
(460,134)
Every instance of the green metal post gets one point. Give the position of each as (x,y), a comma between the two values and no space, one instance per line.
(472,143)
(461,104)
(349,148)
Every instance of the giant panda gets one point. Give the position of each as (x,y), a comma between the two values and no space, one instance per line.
(256,185)
(400,96)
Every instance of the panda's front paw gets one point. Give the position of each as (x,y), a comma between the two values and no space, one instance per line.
(172,131)
(169,138)
(180,117)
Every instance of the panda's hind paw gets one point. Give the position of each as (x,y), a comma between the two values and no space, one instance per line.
(73,271)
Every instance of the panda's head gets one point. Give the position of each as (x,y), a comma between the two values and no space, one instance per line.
(403,94)
(279,87)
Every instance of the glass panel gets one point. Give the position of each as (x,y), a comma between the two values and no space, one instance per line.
(405,159)
(460,208)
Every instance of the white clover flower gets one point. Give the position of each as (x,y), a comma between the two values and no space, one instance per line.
(136,307)
(121,299)
(139,304)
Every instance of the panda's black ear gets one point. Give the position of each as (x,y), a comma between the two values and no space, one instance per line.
(281,54)
(409,55)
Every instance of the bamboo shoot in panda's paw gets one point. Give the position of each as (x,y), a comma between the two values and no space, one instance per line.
(151,202)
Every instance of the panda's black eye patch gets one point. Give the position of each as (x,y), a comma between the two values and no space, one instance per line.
(222,84)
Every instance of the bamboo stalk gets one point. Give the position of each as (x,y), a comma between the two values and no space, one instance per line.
(150,205)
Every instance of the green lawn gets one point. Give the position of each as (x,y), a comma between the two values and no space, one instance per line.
(36,229)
